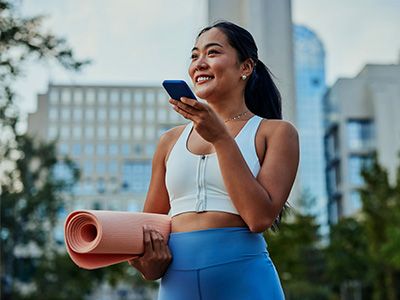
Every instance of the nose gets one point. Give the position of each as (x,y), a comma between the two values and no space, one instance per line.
(200,64)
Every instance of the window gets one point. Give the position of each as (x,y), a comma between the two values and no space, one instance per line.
(63,148)
(52,132)
(64,132)
(136,176)
(89,132)
(88,168)
(101,149)
(102,97)
(53,114)
(89,149)
(53,96)
(360,134)
(126,149)
(76,132)
(101,132)
(63,172)
(66,96)
(162,98)
(138,149)
(90,96)
(114,114)
(356,163)
(114,97)
(101,185)
(100,168)
(78,96)
(89,114)
(138,115)
(126,97)
(355,203)
(138,132)
(113,132)
(150,98)
(77,114)
(150,132)
(126,115)
(150,149)
(76,149)
(65,114)
(162,115)
(113,149)
(126,132)
(113,167)
(101,114)
(138,97)
(150,114)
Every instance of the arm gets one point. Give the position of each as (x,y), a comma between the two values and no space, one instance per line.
(156,257)
(259,200)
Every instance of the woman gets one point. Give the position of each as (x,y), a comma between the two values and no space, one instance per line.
(224,177)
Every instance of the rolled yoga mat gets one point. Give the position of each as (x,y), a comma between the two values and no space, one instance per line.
(100,238)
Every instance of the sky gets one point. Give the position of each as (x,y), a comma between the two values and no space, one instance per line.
(146,41)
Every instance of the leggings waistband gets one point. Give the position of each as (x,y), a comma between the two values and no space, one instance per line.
(204,248)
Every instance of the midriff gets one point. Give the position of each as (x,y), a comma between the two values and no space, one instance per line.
(190,221)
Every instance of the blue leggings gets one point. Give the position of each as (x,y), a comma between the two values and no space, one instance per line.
(217,264)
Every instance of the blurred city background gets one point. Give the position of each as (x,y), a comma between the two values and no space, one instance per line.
(82,108)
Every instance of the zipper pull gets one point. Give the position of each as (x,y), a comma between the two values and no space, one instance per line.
(203,157)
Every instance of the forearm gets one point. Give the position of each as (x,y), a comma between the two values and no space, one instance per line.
(249,197)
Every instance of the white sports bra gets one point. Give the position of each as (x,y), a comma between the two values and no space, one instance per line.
(194,182)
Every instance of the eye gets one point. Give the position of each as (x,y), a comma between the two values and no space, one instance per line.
(193,56)
(212,51)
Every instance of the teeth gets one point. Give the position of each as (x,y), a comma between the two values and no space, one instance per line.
(203,78)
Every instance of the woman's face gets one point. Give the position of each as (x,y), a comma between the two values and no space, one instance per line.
(214,70)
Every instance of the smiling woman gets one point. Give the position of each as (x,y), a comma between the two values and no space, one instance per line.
(224,177)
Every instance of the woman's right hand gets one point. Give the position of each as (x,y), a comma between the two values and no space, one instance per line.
(156,257)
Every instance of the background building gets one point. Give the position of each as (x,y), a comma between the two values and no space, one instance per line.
(309,58)
(111,133)
(361,116)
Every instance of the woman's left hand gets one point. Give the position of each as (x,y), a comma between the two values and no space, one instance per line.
(206,122)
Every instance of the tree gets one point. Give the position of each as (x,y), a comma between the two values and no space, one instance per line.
(381,218)
(30,194)
(296,252)
(347,258)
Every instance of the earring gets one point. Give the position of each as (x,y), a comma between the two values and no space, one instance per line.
(244,77)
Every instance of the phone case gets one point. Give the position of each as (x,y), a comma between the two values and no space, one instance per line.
(177,89)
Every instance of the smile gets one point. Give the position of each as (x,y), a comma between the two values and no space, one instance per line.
(203,78)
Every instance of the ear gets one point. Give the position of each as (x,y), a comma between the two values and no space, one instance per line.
(247,67)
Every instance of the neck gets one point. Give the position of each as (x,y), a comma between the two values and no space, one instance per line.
(228,107)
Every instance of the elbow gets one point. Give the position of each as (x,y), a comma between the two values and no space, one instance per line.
(259,227)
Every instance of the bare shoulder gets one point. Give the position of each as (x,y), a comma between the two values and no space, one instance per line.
(169,138)
(274,128)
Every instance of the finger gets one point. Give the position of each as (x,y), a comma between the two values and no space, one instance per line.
(157,243)
(183,113)
(187,108)
(193,103)
(148,246)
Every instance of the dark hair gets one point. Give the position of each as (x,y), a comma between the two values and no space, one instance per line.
(261,95)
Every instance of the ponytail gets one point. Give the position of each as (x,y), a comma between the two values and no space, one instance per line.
(261,94)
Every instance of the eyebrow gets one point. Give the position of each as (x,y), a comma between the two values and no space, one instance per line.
(208,46)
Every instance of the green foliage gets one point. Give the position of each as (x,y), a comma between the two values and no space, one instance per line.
(347,258)
(296,252)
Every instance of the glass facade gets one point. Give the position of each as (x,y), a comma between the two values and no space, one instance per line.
(136,176)
(310,89)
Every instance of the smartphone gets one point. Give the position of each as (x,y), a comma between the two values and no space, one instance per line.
(177,89)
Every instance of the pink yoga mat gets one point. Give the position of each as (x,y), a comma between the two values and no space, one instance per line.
(100,238)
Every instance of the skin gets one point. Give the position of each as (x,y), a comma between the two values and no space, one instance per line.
(258,200)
